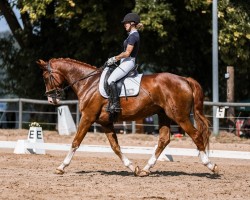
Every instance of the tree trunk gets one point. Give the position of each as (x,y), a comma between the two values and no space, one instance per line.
(230,98)
(12,21)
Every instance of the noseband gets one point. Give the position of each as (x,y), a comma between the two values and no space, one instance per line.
(57,92)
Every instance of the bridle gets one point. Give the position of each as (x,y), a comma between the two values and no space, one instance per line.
(57,92)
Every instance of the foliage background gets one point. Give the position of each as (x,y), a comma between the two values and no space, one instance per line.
(177,38)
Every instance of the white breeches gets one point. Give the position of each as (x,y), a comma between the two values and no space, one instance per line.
(127,64)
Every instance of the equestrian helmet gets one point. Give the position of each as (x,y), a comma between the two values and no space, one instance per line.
(131,17)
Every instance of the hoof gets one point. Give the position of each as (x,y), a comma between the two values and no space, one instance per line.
(59,172)
(141,173)
(215,169)
(137,171)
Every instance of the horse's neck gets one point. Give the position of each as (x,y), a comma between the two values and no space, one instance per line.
(77,76)
(74,72)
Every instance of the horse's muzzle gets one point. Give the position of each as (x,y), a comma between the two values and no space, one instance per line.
(53,101)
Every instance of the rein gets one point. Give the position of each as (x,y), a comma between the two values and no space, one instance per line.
(57,93)
(85,77)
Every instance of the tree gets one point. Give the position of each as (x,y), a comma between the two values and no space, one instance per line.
(56,28)
(182,43)
(11,19)
(177,38)
(234,42)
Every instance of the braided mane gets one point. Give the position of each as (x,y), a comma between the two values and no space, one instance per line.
(74,61)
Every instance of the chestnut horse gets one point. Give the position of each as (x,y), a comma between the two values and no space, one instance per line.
(169,96)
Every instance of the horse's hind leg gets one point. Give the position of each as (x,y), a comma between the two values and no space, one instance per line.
(164,139)
(197,137)
(112,137)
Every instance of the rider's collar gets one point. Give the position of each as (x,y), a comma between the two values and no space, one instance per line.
(133,31)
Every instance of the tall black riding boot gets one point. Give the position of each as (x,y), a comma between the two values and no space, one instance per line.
(115,106)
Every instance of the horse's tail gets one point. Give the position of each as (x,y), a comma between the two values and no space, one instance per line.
(202,122)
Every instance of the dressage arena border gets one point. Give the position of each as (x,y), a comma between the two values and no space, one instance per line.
(127,149)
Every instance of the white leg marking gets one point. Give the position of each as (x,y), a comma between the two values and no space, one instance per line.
(205,160)
(127,163)
(68,159)
(164,157)
(151,163)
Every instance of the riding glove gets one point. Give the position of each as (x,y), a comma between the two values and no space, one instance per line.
(111,61)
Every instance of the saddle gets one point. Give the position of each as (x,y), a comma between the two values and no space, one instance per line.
(125,87)
(133,73)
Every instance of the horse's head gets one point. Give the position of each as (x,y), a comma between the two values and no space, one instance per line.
(53,81)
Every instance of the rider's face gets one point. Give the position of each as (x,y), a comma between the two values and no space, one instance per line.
(127,26)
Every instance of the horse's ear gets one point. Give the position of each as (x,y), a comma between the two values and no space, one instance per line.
(42,64)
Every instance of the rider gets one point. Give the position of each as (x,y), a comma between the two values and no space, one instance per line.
(127,58)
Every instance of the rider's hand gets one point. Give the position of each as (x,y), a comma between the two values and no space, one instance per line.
(111,61)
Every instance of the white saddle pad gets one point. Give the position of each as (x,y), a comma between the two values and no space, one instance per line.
(132,85)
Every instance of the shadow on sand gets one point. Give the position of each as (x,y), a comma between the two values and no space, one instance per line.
(153,174)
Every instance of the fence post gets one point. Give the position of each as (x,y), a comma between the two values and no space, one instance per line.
(215,65)
(133,127)
(20,114)
(94,127)
(124,127)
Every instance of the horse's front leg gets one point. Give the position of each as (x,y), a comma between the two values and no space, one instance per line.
(82,130)
(112,137)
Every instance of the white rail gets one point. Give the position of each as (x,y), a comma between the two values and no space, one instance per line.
(21,101)
(128,149)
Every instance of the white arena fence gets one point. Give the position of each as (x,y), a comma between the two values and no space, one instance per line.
(20,112)
(24,111)
(168,152)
